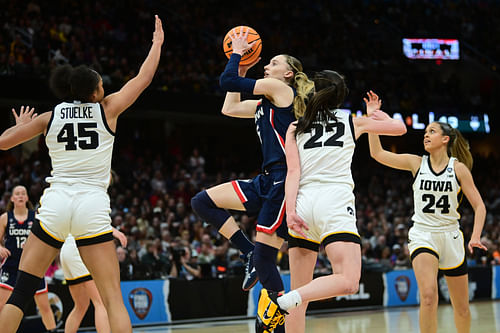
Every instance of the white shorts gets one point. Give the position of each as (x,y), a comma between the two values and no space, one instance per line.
(330,213)
(80,210)
(72,265)
(447,246)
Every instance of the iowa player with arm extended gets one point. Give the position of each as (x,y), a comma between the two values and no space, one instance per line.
(15,226)
(320,200)
(284,88)
(79,134)
(435,240)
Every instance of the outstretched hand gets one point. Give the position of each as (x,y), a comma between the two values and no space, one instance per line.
(158,34)
(373,103)
(239,41)
(25,115)
(297,224)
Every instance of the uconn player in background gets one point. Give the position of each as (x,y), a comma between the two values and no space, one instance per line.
(320,200)
(15,226)
(284,88)
(79,136)
(435,240)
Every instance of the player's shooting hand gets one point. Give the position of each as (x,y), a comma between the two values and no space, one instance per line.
(372,102)
(26,114)
(239,40)
(297,224)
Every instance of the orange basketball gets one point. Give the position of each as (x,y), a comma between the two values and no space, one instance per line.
(252,53)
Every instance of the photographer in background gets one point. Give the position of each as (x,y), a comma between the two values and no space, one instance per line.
(185,266)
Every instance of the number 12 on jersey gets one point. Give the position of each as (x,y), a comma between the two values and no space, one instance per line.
(90,138)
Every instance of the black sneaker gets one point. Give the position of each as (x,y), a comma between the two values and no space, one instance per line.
(269,313)
(251,276)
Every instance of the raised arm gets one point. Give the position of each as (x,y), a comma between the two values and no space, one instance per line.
(233,105)
(118,102)
(24,130)
(234,82)
(408,162)
(472,194)
(294,221)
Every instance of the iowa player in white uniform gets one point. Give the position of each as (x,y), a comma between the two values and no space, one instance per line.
(320,200)
(435,240)
(82,288)
(79,136)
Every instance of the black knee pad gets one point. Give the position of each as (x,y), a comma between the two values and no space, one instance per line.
(26,286)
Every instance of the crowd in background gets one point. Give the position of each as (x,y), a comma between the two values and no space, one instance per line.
(361,39)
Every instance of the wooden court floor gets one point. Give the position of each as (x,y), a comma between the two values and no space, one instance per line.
(485,319)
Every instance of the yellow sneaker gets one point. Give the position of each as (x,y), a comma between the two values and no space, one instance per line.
(269,314)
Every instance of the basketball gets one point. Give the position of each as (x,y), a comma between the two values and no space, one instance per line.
(252,53)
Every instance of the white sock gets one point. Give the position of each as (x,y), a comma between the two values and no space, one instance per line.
(290,300)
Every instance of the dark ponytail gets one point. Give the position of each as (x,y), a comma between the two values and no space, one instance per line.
(331,91)
(69,83)
(457,147)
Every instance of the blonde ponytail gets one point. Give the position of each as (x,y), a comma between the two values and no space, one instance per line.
(302,84)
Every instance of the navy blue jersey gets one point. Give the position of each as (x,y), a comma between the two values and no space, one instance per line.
(16,233)
(272,123)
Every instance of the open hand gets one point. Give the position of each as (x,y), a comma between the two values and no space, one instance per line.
(158,34)
(26,114)
(372,102)
(239,41)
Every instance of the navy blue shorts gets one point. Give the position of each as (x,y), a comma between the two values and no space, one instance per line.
(8,277)
(264,196)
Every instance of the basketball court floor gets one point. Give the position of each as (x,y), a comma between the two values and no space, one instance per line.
(485,319)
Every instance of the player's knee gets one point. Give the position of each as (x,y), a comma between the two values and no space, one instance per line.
(462,310)
(351,287)
(428,297)
(198,202)
(26,286)
(204,206)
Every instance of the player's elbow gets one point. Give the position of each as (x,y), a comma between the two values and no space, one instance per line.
(402,128)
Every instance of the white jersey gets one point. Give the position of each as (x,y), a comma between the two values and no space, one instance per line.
(326,151)
(436,197)
(80,144)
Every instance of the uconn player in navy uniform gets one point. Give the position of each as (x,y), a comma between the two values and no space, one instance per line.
(15,226)
(79,136)
(435,240)
(284,88)
(320,200)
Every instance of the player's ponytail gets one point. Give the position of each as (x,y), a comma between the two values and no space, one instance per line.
(331,91)
(69,83)
(302,84)
(458,146)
